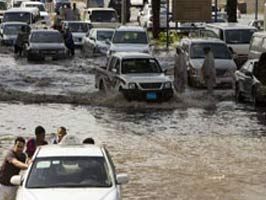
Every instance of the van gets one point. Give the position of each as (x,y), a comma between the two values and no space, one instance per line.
(27,15)
(257,45)
(236,36)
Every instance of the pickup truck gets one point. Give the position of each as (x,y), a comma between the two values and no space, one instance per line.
(138,76)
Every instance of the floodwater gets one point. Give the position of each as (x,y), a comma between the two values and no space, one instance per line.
(192,147)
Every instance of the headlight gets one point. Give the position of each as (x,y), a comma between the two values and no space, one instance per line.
(167,85)
(132,86)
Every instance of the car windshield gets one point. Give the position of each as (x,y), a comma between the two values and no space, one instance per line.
(238,36)
(103,16)
(46,37)
(39,6)
(3,6)
(133,37)
(220,51)
(140,65)
(71,172)
(17,16)
(12,29)
(104,35)
(79,27)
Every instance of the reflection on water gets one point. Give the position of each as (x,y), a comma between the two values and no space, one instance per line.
(188,153)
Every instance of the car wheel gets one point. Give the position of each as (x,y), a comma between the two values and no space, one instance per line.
(238,95)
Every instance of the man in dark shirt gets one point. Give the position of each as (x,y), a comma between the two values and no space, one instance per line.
(13,163)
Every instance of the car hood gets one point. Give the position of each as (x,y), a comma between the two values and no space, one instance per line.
(219,64)
(47,45)
(63,193)
(129,47)
(145,78)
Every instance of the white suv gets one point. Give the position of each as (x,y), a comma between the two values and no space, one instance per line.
(70,172)
(129,39)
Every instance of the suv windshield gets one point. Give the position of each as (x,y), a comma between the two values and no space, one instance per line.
(79,27)
(39,6)
(238,36)
(17,16)
(46,37)
(104,35)
(65,172)
(12,29)
(143,65)
(133,37)
(220,51)
(103,16)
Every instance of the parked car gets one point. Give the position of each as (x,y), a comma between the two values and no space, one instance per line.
(78,30)
(236,36)
(96,41)
(36,4)
(251,81)
(224,63)
(259,24)
(45,43)
(129,39)
(101,17)
(67,171)
(137,76)
(9,32)
(257,45)
(3,8)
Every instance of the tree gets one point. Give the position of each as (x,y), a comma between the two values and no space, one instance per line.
(156,18)
(231,8)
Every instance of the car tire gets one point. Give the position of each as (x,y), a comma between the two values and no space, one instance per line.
(238,95)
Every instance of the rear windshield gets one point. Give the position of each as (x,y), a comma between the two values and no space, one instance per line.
(139,66)
(104,35)
(238,36)
(18,16)
(39,6)
(79,27)
(12,29)
(103,16)
(46,37)
(133,37)
(220,51)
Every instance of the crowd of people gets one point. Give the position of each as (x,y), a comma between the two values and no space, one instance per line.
(17,159)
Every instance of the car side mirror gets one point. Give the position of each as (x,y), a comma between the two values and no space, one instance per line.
(16,180)
(122,179)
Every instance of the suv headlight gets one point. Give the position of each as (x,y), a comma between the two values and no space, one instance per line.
(132,86)
(167,85)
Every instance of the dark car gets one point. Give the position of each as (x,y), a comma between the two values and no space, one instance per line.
(45,43)
(251,81)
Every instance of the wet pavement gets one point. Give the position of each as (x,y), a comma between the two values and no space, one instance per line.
(192,147)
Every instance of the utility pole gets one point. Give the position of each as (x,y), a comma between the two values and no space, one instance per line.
(156,18)
(216,10)
(123,12)
(167,25)
(231,7)
(256,9)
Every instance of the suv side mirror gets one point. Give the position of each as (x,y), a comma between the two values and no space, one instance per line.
(122,179)
(16,180)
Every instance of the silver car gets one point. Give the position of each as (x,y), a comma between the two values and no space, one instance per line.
(96,41)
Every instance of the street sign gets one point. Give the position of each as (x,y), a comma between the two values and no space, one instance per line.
(192,10)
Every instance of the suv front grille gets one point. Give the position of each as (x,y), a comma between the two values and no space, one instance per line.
(150,85)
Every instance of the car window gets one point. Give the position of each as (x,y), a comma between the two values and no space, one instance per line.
(63,172)
(104,35)
(134,66)
(103,16)
(133,37)
(239,36)
(220,51)
(79,27)
(19,16)
(46,37)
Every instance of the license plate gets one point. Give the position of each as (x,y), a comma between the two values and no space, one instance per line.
(151,96)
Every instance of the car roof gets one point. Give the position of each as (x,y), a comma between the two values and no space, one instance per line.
(230,26)
(33,2)
(15,23)
(29,9)
(130,28)
(203,40)
(66,150)
(103,29)
(45,30)
(126,55)
(76,22)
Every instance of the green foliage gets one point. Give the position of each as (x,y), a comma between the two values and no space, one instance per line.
(173,38)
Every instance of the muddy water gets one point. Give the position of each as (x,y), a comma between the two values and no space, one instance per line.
(192,147)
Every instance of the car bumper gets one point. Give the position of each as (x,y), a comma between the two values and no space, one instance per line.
(43,53)
(148,95)
(220,81)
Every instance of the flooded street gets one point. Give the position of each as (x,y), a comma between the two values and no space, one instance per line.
(188,148)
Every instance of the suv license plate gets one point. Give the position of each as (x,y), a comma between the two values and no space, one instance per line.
(151,96)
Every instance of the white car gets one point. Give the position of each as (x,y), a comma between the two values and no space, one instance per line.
(95,42)
(129,39)
(70,172)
